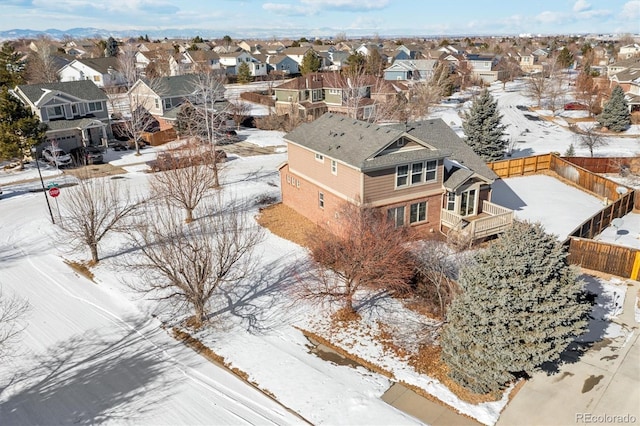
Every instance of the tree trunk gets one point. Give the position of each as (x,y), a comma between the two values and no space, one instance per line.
(94,253)
(189,217)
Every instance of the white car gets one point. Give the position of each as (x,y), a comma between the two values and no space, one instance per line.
(56,156)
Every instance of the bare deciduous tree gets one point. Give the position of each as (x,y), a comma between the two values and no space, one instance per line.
(364,251)
(185,264)
(510,68)
(536,87)
(12,311)
(591,139)
(239,111)
(436,270)
(93,209)
(41,67)
(188,175)
(588,92)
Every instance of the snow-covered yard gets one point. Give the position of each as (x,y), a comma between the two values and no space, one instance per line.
(95,352)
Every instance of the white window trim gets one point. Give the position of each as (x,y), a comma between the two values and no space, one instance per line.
(405,175)
(319,158)
(321,200)
(98,104)
(334,167)
(426,209)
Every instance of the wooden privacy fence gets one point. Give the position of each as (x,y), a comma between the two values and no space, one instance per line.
(160,137)
(610,258)
(599,221)
(595,255)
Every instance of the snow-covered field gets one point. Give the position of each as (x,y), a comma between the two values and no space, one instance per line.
(93,352)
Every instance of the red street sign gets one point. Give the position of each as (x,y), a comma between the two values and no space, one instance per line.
(54,192)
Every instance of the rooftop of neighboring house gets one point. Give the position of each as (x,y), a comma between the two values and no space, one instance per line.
(81,89)
(326,80)
(102,65)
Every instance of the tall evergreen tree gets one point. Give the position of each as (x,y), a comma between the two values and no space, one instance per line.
(244,73)
(310,63)
(565,58)
(11,67)
(521,306)
(483,128)
(615,113)
(111,49)
(20,129)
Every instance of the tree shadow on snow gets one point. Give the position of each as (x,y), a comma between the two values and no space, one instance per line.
(596,327)
(503,195)
(88,379)
(261,301)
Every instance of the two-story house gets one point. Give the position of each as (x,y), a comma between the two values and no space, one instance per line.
(411,69)
(102,71)
(75,112)
(484,67)
(422,175)
(161,97)
(312,95)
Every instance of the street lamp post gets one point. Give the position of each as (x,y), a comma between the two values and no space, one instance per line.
(44,190)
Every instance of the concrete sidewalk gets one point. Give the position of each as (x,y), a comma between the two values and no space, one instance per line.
(602,384)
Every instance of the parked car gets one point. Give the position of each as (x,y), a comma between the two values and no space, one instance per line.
(126,145)
(56,156)
(575,106)
(176,160)
(88,155)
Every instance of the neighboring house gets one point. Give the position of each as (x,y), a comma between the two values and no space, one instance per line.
(231,61)
(190,62)
(629,51)
(629,82)
(312,95)
(75,112)
(529,63)
(296,53)
(162,97)
(484,67)
(283,64)
(422,175)
(411,69)
(102,71)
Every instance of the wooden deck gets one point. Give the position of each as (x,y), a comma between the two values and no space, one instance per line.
(492,220)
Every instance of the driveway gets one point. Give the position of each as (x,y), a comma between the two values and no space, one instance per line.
(602,387)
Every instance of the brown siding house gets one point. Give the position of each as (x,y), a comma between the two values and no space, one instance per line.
(421,174)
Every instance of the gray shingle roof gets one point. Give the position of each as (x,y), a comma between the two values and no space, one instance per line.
(343,138)
(179,85)
(79,123)
(438,134)
(101,65)
(81,89)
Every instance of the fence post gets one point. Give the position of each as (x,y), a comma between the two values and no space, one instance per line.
(636,267)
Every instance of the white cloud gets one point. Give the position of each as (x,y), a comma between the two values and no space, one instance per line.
(350,5)
(631,10)
(288,9)
(581,5)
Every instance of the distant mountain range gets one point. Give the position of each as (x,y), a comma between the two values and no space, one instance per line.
(186,33)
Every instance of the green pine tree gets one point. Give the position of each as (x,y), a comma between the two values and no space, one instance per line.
(570,152)
(310,63)
(111,48)
(11,67)
(483,128)
(244,73)
(20,129)
(521,306)
(615,113)
(565,58)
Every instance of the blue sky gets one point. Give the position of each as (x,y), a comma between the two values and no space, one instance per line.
(329,17)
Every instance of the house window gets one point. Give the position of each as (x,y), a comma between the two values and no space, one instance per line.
(400,142)
(416,173)
(167,103)
(334,167)
(321,200)
(451,201)
(56,111)
(368,112)
(468,203)
(418,212)
(320,158)
(74,109)
(94,106)
(157,102)
(430,171)
(96,78)
(317,95)
(396,215)
(402,175)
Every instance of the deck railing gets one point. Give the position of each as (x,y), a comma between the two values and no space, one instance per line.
(499,219)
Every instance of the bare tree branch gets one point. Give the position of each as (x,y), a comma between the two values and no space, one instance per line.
(186,264)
